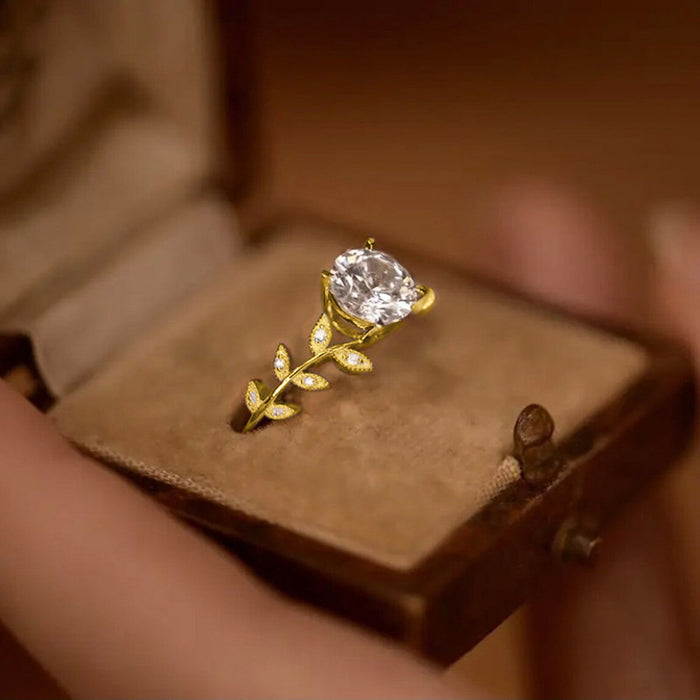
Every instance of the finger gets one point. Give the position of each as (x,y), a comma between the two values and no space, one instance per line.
(616,631)
(116,599)
(21,678)
(675,237)
(546,242)
(676,286)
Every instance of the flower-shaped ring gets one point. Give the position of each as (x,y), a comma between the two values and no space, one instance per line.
(365,296)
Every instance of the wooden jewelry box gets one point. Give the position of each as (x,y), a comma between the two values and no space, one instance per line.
(426,500)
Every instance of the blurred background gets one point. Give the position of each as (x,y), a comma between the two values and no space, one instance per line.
(405,116)
(409,120)
(418,121)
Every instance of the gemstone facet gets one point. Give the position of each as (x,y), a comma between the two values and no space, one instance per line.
(373,286)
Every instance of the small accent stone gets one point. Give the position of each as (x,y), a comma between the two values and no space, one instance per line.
(353,358)
(320,335)
(308,381)
(373,286)
(279,363)
(277,411)
(252,396)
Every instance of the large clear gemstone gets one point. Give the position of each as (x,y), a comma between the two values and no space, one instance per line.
(372,286)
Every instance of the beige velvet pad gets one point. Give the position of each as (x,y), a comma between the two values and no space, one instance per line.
(384,465)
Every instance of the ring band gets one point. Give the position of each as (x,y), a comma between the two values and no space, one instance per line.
(367,295)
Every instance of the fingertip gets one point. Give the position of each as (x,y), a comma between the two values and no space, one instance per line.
(674,238)
(674,234)
(553,243)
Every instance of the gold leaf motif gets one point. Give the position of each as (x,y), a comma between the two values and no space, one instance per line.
(320,335)
(310,381)
(352,361)
(281,362)
(281,411)
(252,396)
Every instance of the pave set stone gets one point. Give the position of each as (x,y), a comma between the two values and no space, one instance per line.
(373,286)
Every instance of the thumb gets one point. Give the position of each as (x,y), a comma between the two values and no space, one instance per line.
(675,238)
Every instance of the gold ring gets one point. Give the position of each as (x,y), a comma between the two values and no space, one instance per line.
(365,296)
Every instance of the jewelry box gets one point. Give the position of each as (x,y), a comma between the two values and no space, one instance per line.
(426,499)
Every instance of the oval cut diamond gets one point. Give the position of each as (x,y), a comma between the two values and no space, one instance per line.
(371,285)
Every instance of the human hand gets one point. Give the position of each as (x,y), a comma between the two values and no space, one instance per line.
(116,599)
(630,626)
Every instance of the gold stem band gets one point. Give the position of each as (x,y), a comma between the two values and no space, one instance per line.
(319,359)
